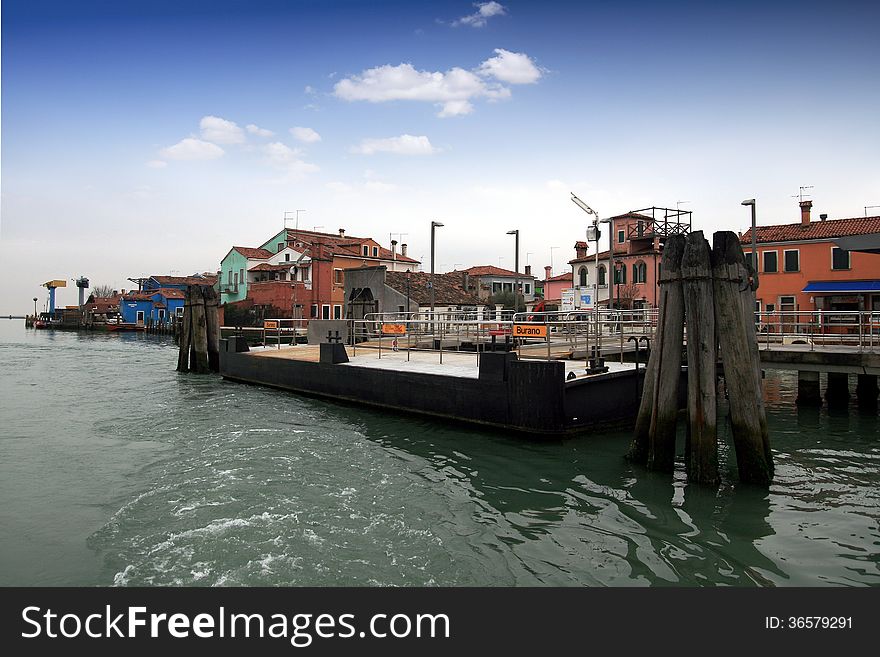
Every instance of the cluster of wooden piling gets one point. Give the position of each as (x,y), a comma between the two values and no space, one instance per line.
(714,290)
(199,332)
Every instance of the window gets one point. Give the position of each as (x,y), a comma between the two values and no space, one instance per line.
(640,272)
(286,257)
(770,264)
(528,288)
(241,276)
(640,228)
(337,276)
(602,275)
(496,287)
(582,276)
(314,311)
(337,312)
(365,250)
(375,251)
(839,258)
(179,311)
(508,287)
(620,274)
(230,277)
(621,236)
(236,281)
(750,259)
(161,314)
(792,260)
(280,246)
(325,311)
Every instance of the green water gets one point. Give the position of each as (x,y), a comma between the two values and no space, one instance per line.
(116,470)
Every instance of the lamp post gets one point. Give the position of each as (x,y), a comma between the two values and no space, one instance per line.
(751,202)
(516,269)
(595,236)
(434,225)
(35,307)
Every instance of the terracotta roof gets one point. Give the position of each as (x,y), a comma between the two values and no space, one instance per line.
(618,253)
(561,277)
(580,244)
(633,215)
(207,279)
(447,288)
(147,295)
(265,266)
(249,252)
(343,245)
(815,230)
(490,270)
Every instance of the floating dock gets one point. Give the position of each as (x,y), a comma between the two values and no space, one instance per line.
(498,389)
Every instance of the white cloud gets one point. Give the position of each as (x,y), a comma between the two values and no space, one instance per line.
(402,145)
(455,108)
(310,90)
(192,149)
(258,131)
(157,164)
(306,135)
(339,187)
(451,91)
(287,158)
(280,153)
(220,130)
(485,11)
(511,67)
(381,187)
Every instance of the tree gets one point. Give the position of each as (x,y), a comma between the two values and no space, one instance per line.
(102,291)
(626,295)
(507,300)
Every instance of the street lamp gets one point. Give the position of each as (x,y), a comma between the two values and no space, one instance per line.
(434,225)
(751,202)
(35,307)
(516,269)
(594,235)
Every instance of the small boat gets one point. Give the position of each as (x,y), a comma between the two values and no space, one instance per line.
(125,327)
(40,324)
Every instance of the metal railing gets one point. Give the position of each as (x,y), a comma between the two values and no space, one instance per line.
(571,334)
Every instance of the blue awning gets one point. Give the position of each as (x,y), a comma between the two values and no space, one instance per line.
(842,287)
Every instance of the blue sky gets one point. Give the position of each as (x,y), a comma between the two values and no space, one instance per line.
(126,148)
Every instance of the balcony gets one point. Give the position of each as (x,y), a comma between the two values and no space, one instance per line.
(228,288)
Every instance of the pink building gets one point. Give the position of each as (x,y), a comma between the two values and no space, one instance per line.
(554,285)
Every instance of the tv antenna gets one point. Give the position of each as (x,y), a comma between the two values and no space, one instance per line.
(294,218)
(869,207)
(800,195)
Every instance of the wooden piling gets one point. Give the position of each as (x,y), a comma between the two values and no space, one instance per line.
(654,438)
(185,336)
(212,324)
(696,273)
(198,361)
(734,317)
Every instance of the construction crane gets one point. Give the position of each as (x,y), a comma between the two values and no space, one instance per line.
(51,286)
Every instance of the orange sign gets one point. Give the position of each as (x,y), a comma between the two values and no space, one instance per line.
(529,331)
(270,324)
(394,329)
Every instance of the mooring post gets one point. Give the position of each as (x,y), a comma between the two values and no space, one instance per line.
(212,324)
(837,389)
(696,274)
(654,436)
(734,317)
(808,389)
(199,347)
(185,336)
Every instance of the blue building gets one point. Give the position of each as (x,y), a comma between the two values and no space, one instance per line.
(159,305)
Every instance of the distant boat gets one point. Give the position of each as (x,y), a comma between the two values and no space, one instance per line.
(125,327)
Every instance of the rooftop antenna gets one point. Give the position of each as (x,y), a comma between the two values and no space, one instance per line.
(869,207)
(800,195)
(295,218)
(527,257)
(315,229)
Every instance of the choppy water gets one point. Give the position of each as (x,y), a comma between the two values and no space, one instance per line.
(116,470)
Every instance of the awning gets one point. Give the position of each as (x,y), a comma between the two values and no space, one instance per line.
(869,243)
(842,287)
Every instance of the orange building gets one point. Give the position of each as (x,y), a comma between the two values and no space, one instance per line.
(801,267)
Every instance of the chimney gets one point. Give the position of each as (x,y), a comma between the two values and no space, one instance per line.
(394,249)
(342,232)
(528,270)
(805,212)
(403,250)
(466,280)
(548,271)
(823,217)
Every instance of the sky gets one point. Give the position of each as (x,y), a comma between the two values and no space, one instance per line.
(149,137)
